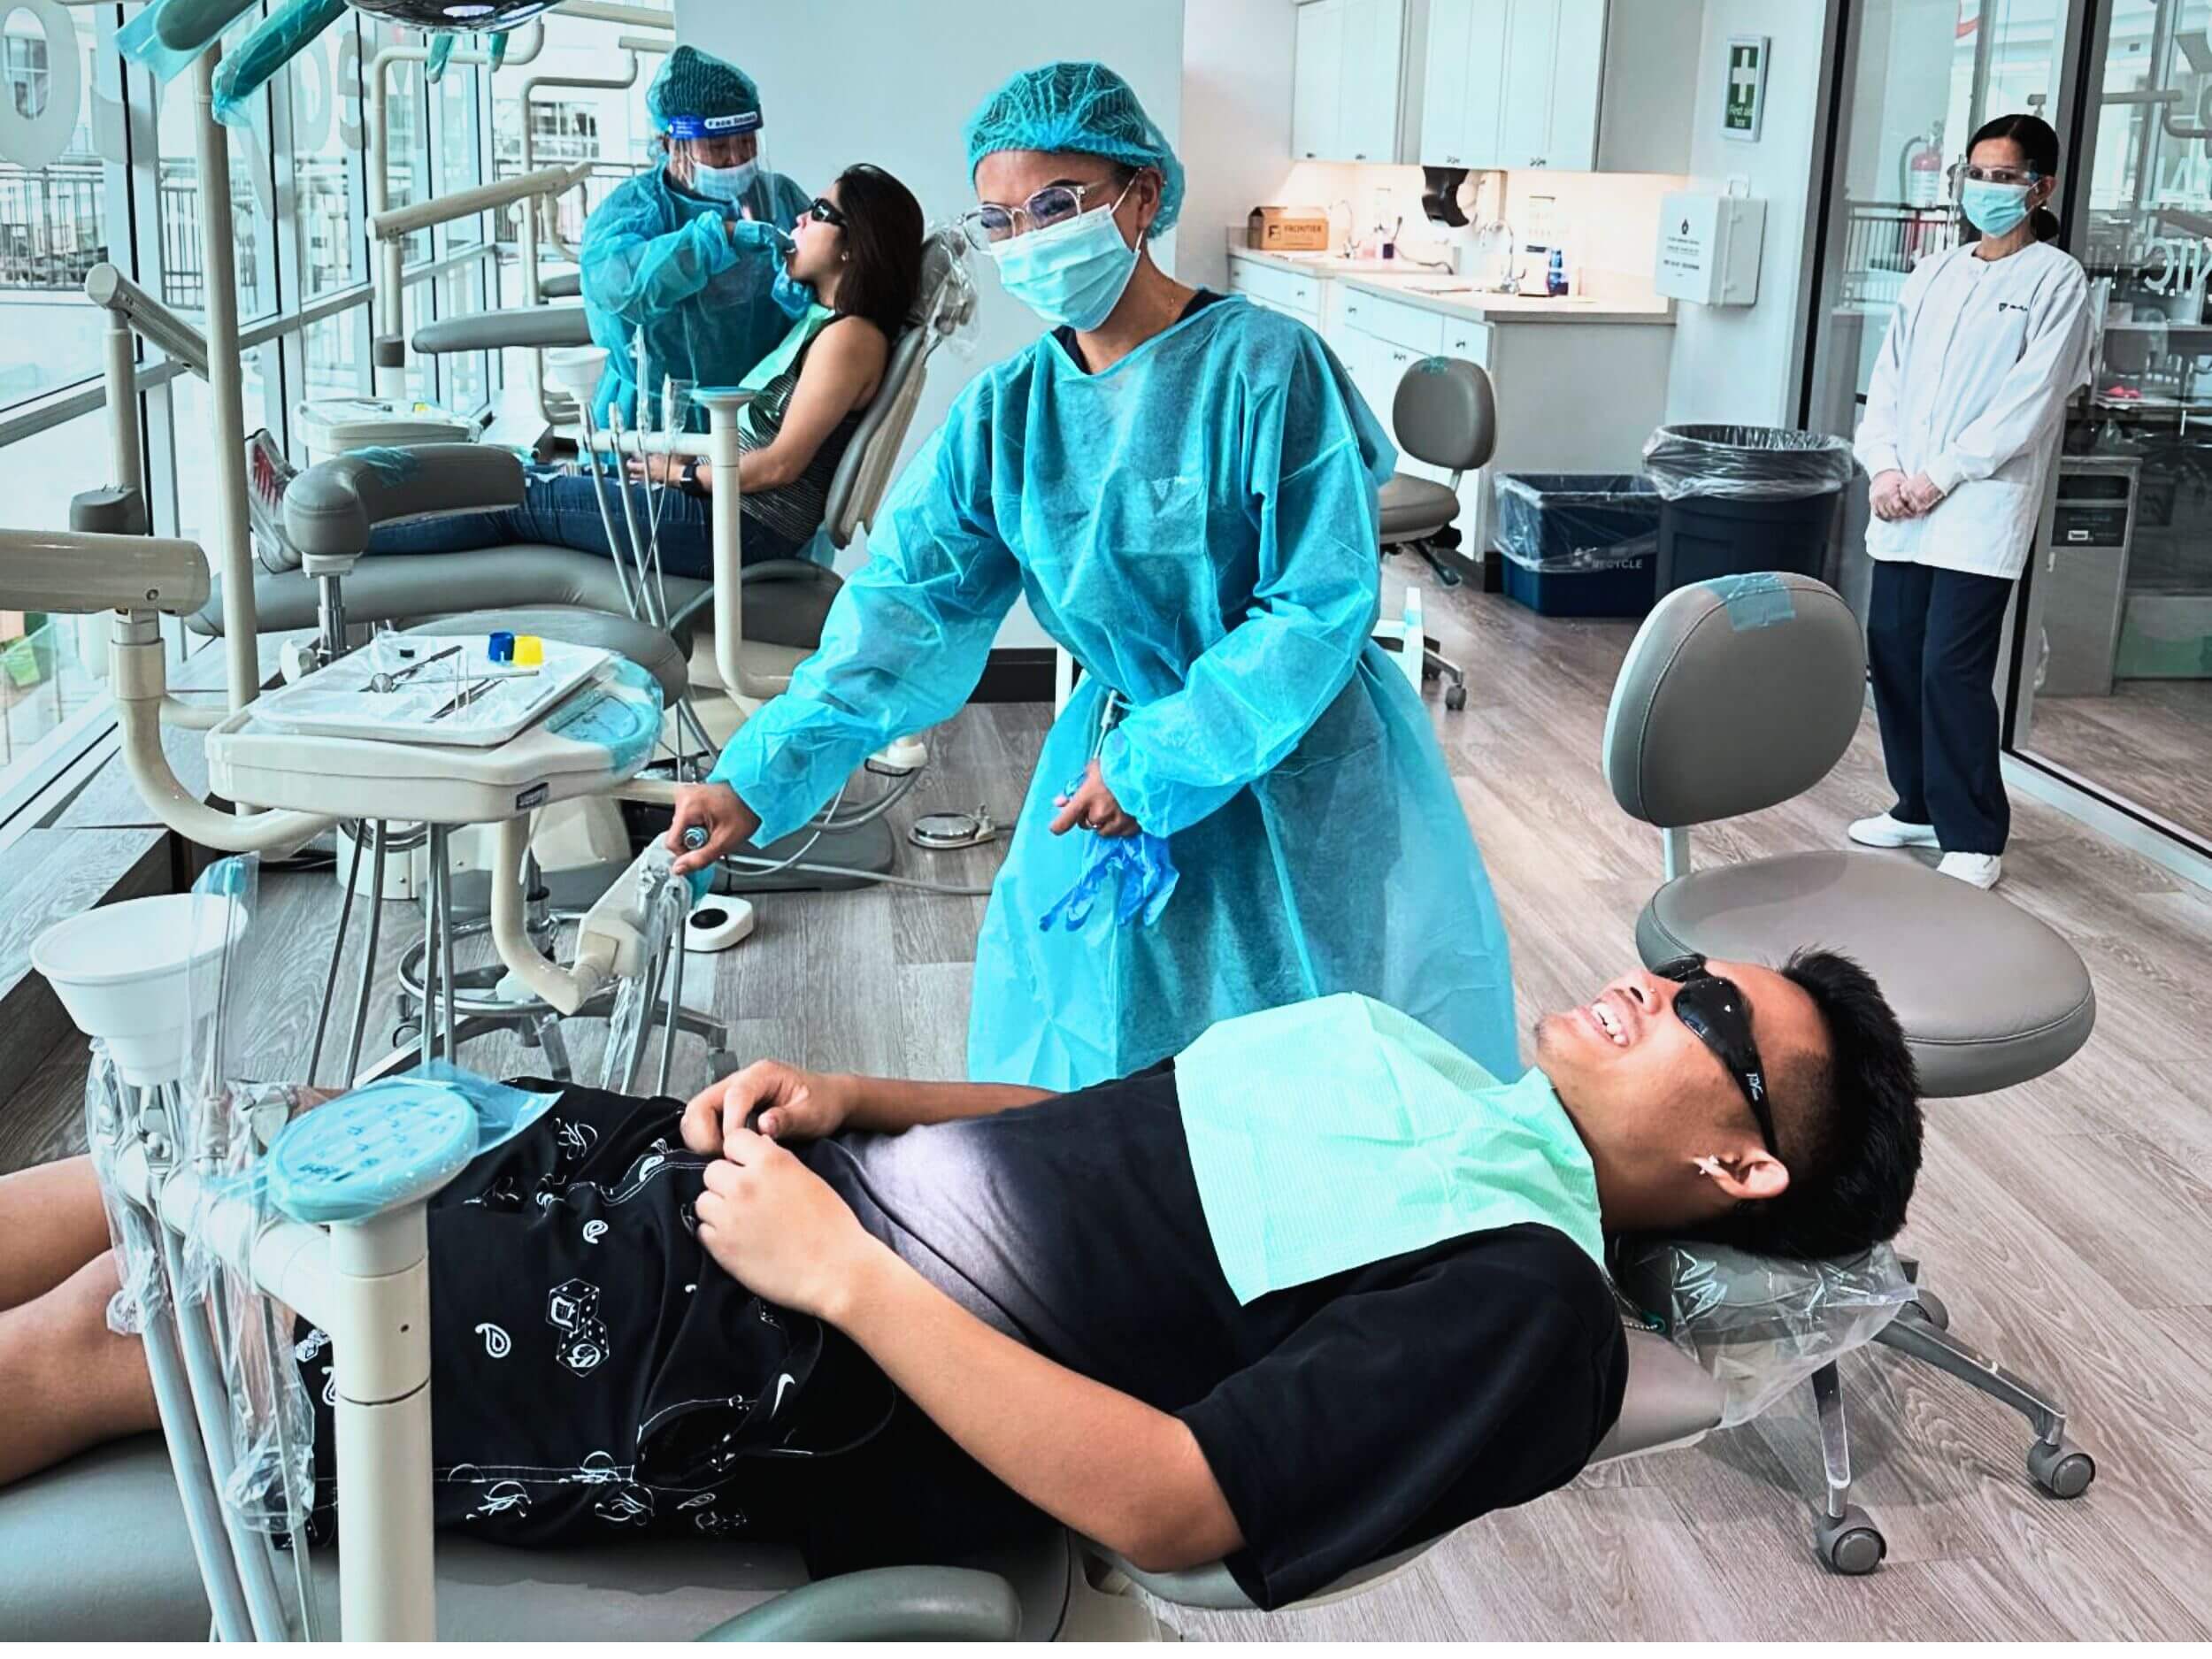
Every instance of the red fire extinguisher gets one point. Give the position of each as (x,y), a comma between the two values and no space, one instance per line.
(1922,168)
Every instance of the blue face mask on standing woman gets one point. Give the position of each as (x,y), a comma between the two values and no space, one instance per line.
(1072,274)
(1993,208)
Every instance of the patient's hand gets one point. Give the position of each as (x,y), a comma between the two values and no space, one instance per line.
(792,1105)
(780,1229)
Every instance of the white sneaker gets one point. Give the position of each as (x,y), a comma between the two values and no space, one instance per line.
(1885,830)
(1977,870)
(268,474)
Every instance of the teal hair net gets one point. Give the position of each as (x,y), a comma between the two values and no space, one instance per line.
(1082,107)
(697,95)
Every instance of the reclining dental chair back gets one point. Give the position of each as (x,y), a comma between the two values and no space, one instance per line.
(947,303)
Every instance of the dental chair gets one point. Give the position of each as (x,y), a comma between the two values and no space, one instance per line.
(1445,414)
(785,600)
(1738,695)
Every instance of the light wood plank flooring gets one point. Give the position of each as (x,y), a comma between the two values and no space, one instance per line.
(2150,741)
(2069,1222)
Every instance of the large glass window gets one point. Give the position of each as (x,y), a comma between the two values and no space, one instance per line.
(2117,691)
(327,171)
(61,192)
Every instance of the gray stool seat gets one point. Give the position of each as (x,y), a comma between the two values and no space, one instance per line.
(1988,995)
(1411,506)
(645,645)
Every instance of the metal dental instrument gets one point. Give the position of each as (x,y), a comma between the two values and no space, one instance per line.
(382,681)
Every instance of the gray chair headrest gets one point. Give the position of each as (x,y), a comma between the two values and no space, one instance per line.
(944,305)
(1737,694)
(536,325)
(330,508)
(1446,414)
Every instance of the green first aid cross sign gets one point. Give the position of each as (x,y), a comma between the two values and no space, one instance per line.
(1743,110)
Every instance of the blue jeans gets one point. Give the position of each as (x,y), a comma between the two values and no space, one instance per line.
(561,508)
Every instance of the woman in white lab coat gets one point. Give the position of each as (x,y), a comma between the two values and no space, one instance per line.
(1962,417)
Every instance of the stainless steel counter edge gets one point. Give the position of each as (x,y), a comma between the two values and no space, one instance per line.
(1476,308)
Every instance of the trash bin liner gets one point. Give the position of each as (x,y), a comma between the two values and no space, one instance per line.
(1576,521)
(1745,462)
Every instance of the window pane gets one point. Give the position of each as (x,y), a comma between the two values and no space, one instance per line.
(196,439)
(327,162)
(406,169)
(44,678)
(252,206)
(57,220)
(460,158)
(336,350)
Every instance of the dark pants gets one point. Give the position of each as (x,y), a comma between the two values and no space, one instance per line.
(1933,641)
(562,509)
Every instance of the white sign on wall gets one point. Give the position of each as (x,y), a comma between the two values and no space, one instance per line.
(1709,248)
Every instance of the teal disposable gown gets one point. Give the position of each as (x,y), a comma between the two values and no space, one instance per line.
(1198,524)
(654,255)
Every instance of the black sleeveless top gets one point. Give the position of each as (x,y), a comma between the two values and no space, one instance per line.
(794,511)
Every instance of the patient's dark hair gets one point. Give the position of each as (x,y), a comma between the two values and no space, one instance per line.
(883,236)
(1848,1124)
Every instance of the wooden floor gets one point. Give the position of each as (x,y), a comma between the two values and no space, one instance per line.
(2068,1223)
(2150,741)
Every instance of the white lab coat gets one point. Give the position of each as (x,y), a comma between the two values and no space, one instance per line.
(1971,389)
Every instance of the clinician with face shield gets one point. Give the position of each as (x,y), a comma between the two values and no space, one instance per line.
(1963,414)
(1243,804)
(690,250)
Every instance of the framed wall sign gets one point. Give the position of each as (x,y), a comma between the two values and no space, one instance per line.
(1744,111)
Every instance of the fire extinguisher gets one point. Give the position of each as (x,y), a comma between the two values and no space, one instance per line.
(1921,168)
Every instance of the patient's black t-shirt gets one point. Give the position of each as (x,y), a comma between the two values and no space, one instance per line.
(1344,1419)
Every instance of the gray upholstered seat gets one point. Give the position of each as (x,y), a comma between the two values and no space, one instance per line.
(1738,695)
(1414,506)
(1974,1025)
(542,326)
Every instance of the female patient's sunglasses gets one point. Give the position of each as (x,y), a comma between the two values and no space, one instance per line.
(1716,1011)
(822,211)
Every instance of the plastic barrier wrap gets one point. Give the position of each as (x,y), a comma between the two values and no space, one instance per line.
(1576,521)
(1760,1324)
(110,1107)
(264,52)
(1745,462)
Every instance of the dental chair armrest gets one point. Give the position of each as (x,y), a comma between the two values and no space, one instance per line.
(330,508)
(886,1604)
(1212,1588)
(562,285)
(546,325)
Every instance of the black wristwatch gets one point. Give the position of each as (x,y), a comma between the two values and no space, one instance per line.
(688,480)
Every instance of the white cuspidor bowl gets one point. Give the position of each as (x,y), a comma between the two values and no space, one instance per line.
(575,369)
(127,973)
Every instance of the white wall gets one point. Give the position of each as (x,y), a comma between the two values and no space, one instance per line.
(893,82)
(1236,124)
(1743,363)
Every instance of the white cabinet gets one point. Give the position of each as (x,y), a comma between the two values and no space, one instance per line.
(1347,96)
(1573,85)
(1317,95)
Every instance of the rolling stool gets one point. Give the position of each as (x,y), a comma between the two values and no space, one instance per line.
(1444,413)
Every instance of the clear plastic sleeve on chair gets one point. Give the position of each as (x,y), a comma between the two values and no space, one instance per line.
(664,905)
(110,1107)
(1745,462)
(947,302)
(1576,521)
(1760,1324)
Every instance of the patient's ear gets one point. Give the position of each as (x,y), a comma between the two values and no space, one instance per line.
(1745,1175)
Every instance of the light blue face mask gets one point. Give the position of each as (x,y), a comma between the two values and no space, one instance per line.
(1072,274)
(1331,1134)
(724,184)
(1993,208)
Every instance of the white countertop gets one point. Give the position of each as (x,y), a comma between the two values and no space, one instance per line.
(1396,279)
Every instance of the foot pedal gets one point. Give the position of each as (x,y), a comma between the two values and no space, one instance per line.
(718,922)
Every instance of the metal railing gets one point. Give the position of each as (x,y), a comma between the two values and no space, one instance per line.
(1884,241)
(53,225)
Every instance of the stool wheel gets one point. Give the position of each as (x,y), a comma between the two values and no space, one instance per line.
(1932,1309)
(1456,697)
(1849,1544)
(2062,1471)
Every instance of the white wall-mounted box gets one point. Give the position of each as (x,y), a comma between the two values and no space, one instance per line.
(1709,248)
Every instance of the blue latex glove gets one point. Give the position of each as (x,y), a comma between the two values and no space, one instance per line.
(1140,867)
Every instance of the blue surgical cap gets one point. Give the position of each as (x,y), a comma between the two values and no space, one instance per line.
(1080,107)
(698,96)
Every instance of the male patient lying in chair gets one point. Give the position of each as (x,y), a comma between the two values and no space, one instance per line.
(1314,1291)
